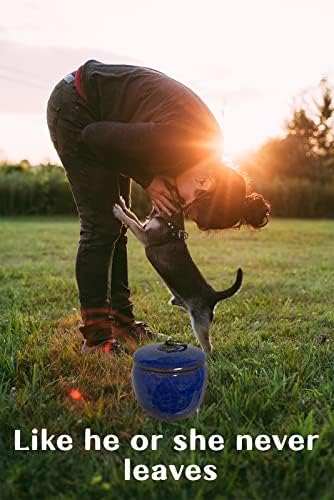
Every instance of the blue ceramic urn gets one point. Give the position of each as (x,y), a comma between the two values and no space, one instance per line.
(169,379)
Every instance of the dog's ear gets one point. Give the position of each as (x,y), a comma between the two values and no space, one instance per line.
(225,294)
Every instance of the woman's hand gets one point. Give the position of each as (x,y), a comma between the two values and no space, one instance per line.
(161,197)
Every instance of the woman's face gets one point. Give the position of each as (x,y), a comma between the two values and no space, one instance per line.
(200,200)
(193,184)
(217,202)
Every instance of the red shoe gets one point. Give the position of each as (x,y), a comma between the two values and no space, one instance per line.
(107,346)
(123,327)
(96,329)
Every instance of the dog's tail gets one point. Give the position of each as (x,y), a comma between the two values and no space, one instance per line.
(225,294)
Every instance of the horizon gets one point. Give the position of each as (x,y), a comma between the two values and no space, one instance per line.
(246,61)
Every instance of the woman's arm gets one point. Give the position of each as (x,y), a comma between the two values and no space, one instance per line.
(140,150)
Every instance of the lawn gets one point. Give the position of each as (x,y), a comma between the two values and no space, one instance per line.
(272,371)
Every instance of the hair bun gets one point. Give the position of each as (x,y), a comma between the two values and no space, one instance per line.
(256,211)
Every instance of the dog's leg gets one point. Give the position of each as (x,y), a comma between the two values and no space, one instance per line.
(135,227)
(128,212)
(176,301)
(201,327)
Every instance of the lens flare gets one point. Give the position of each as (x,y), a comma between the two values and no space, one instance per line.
(76,395)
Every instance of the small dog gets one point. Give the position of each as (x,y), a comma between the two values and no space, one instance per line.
(164,242)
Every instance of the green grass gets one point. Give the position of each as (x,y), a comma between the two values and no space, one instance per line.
(268,375)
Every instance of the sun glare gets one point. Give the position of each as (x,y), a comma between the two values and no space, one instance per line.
(248,125)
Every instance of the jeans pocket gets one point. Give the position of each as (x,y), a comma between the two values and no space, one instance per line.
(52,116)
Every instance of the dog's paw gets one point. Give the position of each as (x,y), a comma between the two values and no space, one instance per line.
(118,211)
(122,202)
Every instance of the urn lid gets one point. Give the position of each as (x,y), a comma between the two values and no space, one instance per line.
(169,356)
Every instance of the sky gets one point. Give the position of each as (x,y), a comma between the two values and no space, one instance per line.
(246,59)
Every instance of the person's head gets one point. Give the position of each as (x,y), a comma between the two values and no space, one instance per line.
(215,198)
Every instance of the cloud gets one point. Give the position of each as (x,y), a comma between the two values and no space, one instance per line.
(28,73)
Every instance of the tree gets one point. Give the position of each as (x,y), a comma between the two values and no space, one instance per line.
(310,129)
(325,131)
(304,130)
(307,149)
